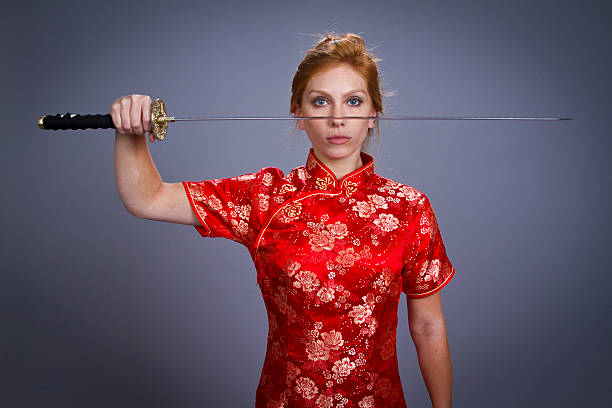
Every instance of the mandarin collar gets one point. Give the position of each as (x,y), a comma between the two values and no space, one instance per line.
(322,178)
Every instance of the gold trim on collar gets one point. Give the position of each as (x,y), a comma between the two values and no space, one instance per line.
(349,187)
(323,183)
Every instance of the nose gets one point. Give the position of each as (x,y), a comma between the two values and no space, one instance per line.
(336,117)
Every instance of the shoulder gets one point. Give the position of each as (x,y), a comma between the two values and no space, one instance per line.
(255,182)
(298,176)
(404,193)
(264,176)
(409,206)
(269,175)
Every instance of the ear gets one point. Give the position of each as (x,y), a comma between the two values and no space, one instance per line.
(298,113)
(372,122)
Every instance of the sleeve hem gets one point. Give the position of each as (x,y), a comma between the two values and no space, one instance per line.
(203,230)
(431,292)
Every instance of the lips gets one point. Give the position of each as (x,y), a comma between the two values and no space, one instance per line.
(338,139)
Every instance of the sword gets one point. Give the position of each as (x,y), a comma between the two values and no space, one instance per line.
(160,119)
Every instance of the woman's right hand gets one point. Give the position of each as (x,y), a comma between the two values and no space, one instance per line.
(140,187)
(132,115)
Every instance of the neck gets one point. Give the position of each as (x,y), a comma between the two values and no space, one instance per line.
(343,166)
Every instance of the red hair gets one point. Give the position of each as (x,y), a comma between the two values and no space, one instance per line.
(333,49)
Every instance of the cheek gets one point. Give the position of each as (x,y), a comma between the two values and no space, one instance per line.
(306,126)
(364,126)
(314,127)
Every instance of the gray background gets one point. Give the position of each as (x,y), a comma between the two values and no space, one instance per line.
(103,309)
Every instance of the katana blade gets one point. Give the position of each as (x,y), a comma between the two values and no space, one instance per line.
(160,119)
(205,119)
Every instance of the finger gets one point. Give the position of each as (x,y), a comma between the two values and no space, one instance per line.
(146,115)
(125,116)
(114,112)
(136,117)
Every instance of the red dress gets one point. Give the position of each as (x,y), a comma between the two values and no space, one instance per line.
(332,258)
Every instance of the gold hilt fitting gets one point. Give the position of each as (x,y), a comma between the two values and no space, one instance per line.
(159,119)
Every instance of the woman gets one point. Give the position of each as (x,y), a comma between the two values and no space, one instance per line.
(333,243)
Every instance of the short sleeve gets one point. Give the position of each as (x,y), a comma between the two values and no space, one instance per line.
(225,207)
(427,268)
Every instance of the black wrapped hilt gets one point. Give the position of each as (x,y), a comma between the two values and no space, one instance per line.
(159,121)
(74,122)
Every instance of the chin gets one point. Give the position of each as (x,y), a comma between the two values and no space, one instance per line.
(337,151)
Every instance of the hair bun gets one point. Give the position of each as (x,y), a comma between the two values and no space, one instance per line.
(348,41)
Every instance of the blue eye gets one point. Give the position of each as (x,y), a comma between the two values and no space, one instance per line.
(319,101)
(354,102)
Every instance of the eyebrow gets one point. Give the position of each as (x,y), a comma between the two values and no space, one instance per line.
(348,93)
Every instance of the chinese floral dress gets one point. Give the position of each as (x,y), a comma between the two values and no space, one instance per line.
(332,258)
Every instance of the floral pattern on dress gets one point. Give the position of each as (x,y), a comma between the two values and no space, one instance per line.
(386,222)
(332,258)
(306,387)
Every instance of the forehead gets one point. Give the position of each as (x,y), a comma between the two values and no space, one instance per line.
(337,77)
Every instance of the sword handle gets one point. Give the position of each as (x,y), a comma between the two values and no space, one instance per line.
(74,122)
(159,121)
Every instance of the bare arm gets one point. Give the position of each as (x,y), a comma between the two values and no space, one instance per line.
(428,331)
(139,184)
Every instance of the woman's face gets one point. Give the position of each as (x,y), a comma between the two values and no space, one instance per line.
(336,91)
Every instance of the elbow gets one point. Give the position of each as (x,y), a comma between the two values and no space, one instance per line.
(428,336)
(139,207)
(134,209)
(435,328)
(130,204)
(146,207)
